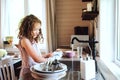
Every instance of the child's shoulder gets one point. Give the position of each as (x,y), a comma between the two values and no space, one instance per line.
(25,42)
(24,39)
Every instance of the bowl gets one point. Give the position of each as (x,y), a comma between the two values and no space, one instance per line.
(38,69)
(69,54)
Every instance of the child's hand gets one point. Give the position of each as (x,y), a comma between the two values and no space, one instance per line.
(49,55)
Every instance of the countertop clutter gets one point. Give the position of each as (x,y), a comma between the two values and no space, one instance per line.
(12,50)
(3,53)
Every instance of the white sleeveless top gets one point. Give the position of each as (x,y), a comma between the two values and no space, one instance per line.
(27,61)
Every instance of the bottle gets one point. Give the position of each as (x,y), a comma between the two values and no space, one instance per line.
(89,6)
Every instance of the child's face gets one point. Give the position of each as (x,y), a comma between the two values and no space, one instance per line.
(36,29)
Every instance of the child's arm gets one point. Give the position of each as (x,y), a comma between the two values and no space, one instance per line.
(26,44)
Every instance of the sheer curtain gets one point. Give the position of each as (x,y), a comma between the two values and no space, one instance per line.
(12,11)
(51,26)
(10,17)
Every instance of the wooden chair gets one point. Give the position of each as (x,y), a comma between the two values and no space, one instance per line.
(7,69)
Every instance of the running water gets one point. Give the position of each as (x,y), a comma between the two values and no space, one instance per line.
(75,75)
(72,63)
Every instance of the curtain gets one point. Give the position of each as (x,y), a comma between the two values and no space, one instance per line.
(51,26)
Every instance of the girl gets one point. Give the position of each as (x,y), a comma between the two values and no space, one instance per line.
(29,36)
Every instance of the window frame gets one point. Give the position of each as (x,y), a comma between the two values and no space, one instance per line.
(117,33)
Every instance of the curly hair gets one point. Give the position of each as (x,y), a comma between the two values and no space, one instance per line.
(26,27)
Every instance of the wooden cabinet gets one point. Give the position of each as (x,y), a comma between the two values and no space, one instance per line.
(89,15)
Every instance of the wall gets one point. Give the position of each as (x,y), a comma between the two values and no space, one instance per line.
(107,25)
(68,15)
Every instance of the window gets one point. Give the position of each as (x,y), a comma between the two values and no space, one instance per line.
(14,10)
(117,30)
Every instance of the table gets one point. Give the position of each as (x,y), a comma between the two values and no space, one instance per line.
(15,60)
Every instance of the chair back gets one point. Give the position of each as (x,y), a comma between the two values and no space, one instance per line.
(7,69)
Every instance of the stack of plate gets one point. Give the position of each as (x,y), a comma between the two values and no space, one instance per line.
(39,73)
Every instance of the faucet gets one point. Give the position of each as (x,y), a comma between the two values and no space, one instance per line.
(75,38)
(83,41)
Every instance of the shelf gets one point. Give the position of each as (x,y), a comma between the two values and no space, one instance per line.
(86,0)
(89,15)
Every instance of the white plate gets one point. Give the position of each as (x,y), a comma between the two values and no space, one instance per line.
(39,68)
(44,75)
(15,58)
(48,78)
